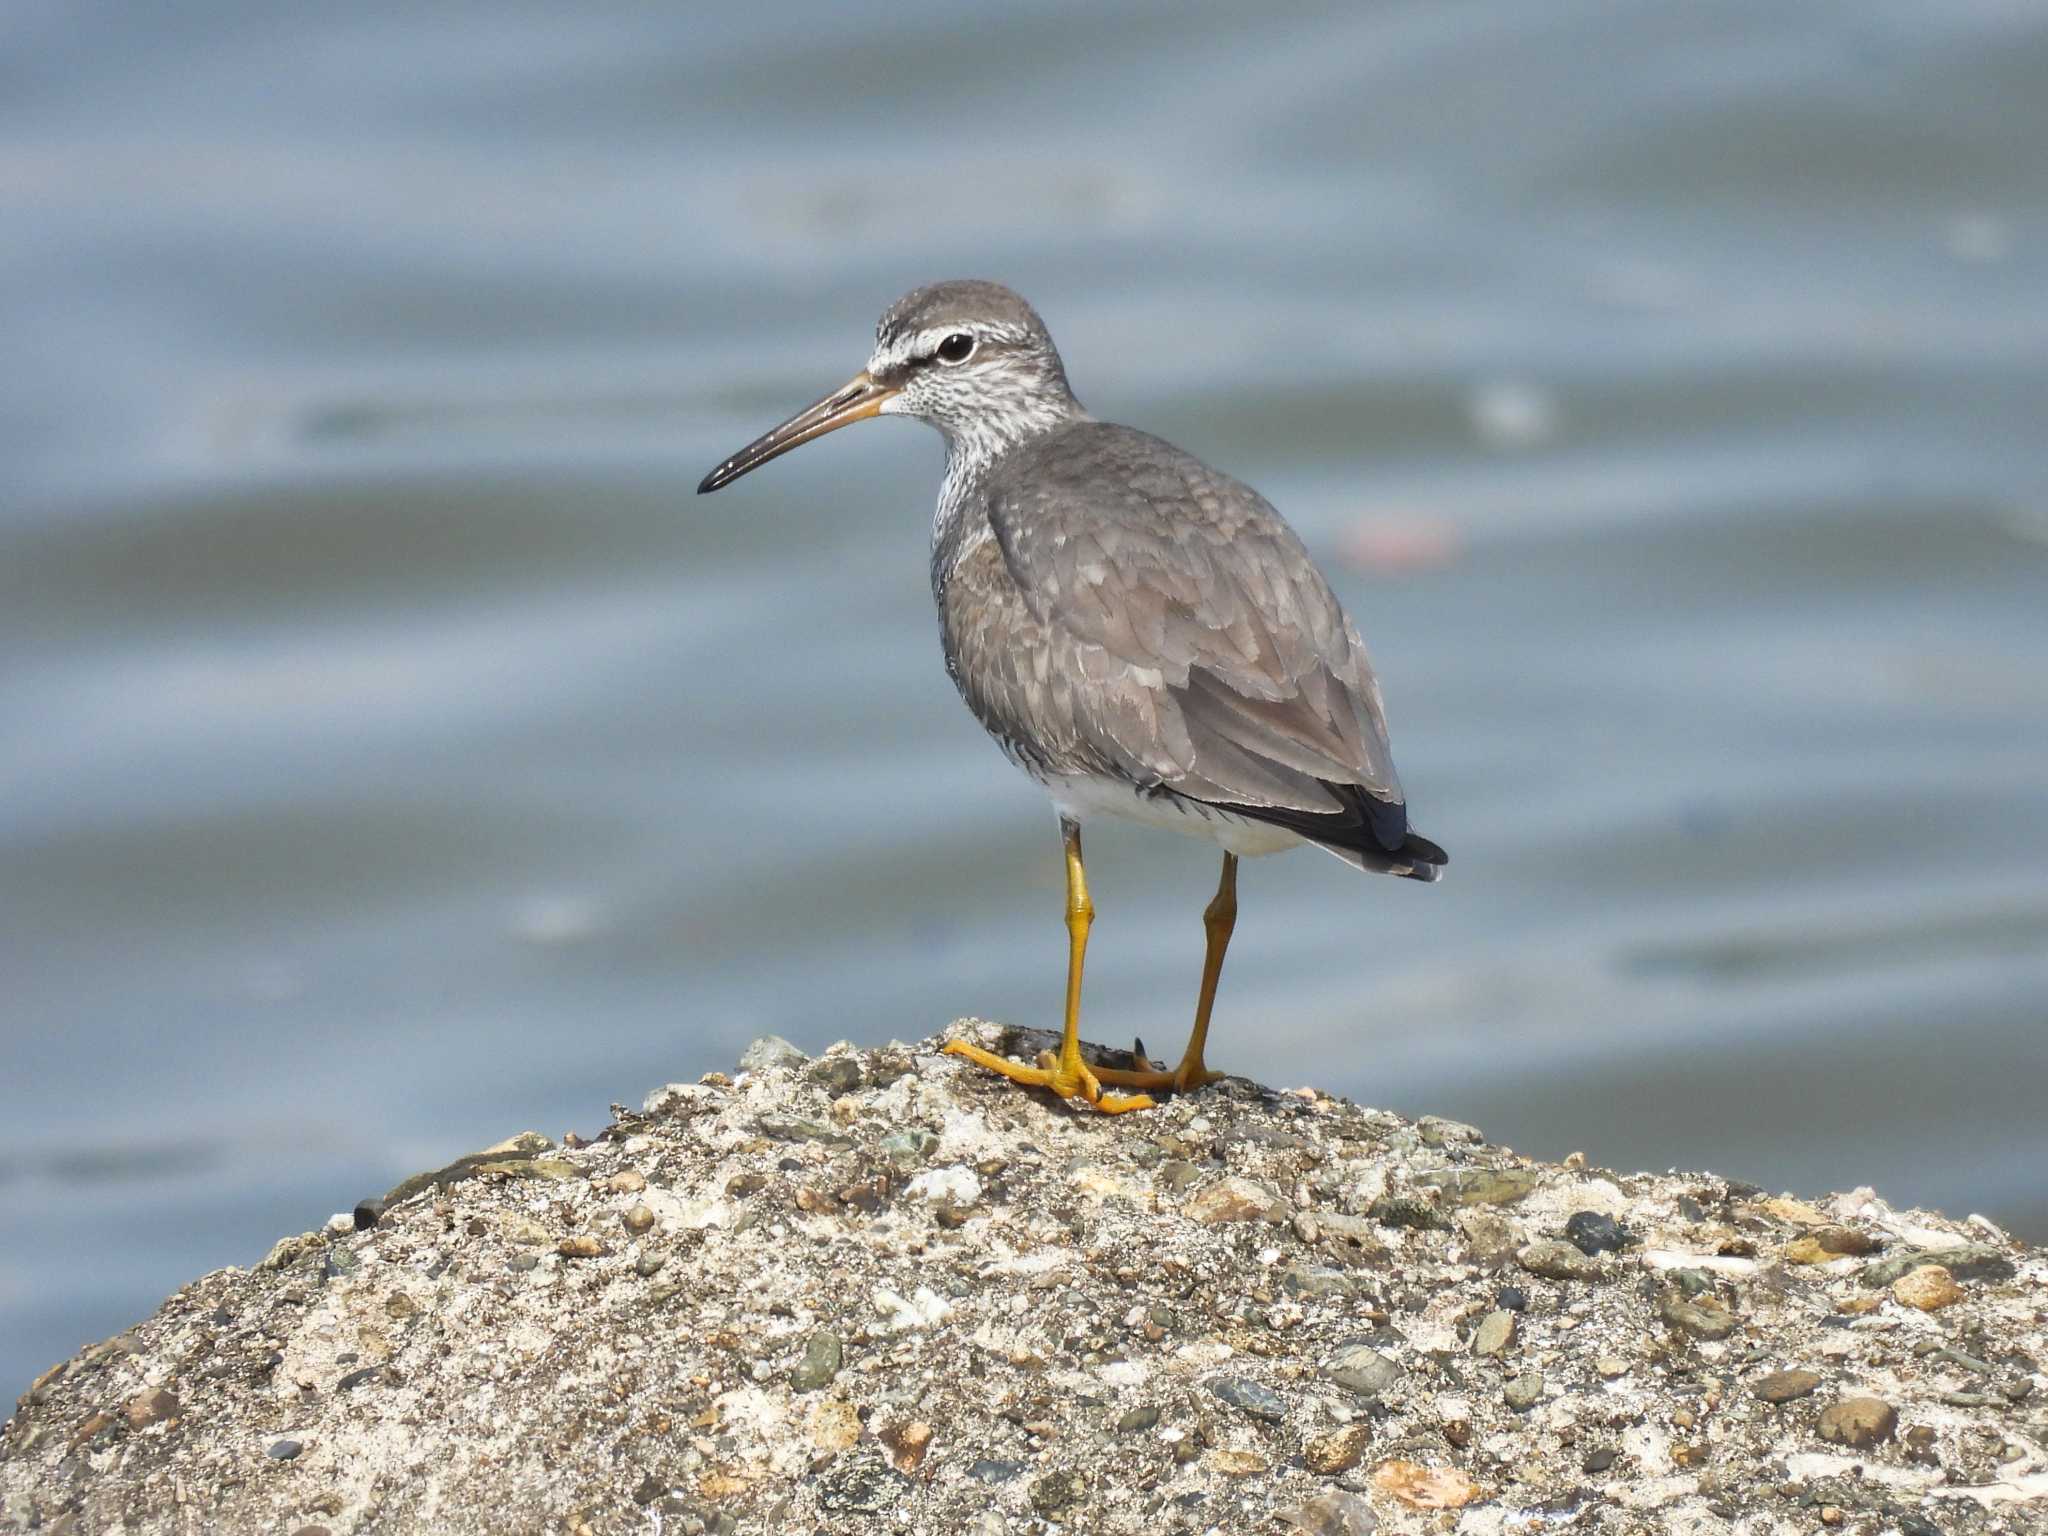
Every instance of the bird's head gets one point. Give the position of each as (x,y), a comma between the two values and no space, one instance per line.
(971,358)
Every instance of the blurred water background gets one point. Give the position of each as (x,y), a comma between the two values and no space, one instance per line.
(396,754)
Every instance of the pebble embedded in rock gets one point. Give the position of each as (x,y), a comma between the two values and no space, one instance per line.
(1484,1186)
(1511,1298)
(1491,1337)
(1592,1232)
(837,1075)
(649,1264)
(1785,1386)
(1702,1319)
(771,1051)
(823,1356)
(1258,1400)
(1970,1261)
(1858,1422)
(1136,1420)
(1338,1451)
(1236,1199)
(627,1181)
(1362,1369)
(1927,1289)
(1421,1487)
(1333,1514)
(581,1246)
(1557,1261)
(1057,1491)
(993,1472)
(638,1219)
(283,1450)
(150,1407)
(1599,1459)
(1409,1212)
(1524,1392)
(1610,1366)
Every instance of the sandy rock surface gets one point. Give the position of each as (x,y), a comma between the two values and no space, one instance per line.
(885,1292)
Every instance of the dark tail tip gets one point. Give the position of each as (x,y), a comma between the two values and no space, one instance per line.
(1427,860)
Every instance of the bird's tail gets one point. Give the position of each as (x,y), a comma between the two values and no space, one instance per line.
(1417,859)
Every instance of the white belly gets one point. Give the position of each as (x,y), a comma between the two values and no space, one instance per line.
(1080,798)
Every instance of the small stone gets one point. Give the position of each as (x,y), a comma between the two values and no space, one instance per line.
(1971,1261)
(1236,1199)
(1690,1282)
(649,1264)
(151,1407)
(1261,1402)
(1858,1422)
(1524,1392)
(906,1149)
(582,1246)
(1363,1370)
(1237,1463)
(1408,1211)
(1137,1420)
(1557,1261)
(1928,1289)
(283,1450)
(1057,1491)
(833,1424)
(771,1051)
(1785,1386)
(1333,1514)
(956,1189)
(1421,1487)
(1338,1451)
(837,1075)
(1492,1336)
(1178,1173)
(907,1444)
(1315,1281)
(1599,1459)
(823,1356)
(1483,1186)
(638,1219)
(993,1472)
(1593,1233)
(1436,1131)
(1610,1366)
(627,1181)
(1511,1298)
(1701,1319)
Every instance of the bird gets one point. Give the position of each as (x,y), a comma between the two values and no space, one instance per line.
(1143,635)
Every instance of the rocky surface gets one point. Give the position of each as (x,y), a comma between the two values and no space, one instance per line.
(882,1291)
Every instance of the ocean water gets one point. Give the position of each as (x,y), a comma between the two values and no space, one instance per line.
(395,754)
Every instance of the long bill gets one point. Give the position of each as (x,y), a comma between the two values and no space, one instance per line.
(860,397)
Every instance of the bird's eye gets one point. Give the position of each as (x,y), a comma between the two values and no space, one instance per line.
(956,348)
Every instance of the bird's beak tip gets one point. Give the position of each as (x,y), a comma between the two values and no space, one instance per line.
(861,397)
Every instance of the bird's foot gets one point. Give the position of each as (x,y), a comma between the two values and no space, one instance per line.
(1185,1078)
(1070,1080)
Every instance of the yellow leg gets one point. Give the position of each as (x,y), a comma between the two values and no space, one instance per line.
(1218,920)
(1065,1074)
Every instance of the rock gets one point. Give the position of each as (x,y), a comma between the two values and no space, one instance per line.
(638,1219)
(1408,1211)
(1436,1131)
(152,1406)
(582,1246)
(1361,1369)
(1261,1402)
(823,1356)
(1492,1335)
(1706,1319)
(286,1450)
(1236,1199)
(1057,1491)
(1333,1514)
(1557,1261)
(837,1075)
(1592,1233)
(800,1343)
(770,1052)
(1785,1386)
(1338,1451)
(1483,1186)
(1927,1289)
(1968,1261)
(1858,1422)
(1421,1487)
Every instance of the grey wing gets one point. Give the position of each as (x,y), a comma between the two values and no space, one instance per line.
(1210,657)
